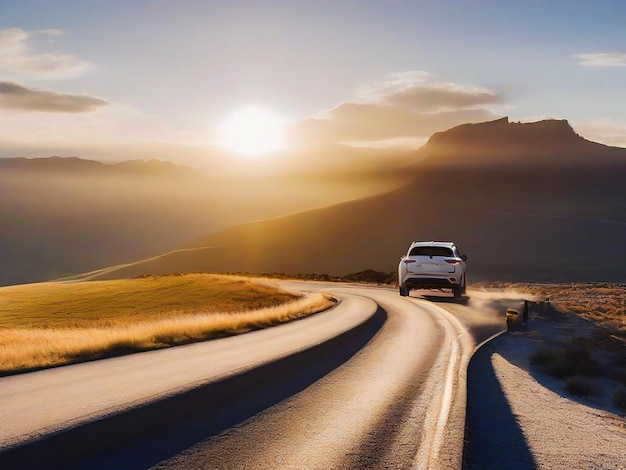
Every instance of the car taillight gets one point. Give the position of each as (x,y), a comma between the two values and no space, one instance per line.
(407,261)
(452,261)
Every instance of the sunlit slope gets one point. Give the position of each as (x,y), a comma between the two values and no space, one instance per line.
(517,221)
(557,227)
(62,216)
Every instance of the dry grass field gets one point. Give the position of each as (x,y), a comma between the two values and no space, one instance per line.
(51,324)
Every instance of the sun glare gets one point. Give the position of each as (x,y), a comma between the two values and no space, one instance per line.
(252,132)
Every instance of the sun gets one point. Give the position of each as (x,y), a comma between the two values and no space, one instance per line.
(252,132)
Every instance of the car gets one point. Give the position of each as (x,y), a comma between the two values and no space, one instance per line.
(433,265)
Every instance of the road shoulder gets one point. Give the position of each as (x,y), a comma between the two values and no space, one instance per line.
(520,418)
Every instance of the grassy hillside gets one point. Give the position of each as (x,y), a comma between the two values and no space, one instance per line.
(122,302)
(48,324)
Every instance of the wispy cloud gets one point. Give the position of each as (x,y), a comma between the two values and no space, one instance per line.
(407,105)
(15,96)
(16,56)
(602,59)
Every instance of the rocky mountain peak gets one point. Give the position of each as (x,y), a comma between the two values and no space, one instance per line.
(502,130)
(501,142)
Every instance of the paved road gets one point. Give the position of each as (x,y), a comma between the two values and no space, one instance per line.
(389,394)
(47,401)
(390,406)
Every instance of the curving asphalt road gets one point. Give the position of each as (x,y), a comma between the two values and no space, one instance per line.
(378,382)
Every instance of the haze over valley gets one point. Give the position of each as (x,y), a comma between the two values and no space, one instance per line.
(64,216)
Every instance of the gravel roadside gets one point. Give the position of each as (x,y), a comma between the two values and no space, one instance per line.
(520,418)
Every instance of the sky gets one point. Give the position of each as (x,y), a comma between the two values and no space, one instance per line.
(154,78)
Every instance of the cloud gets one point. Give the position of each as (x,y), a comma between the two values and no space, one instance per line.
(16,56)
(113,123)
(395,82)
(408,105)
(15,96)
(442,96)
(602,59)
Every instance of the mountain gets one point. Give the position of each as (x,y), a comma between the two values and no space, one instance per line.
(525,202)
(75,165)
(550,143)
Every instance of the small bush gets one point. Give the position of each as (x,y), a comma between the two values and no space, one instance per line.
(617,372)
(589,368)
(562,369)
(371,275)
(544,356)
(577,351)
(566,363)
(619,399)
(579,386)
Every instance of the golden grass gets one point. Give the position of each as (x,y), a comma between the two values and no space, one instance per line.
(111,303)
(106,318)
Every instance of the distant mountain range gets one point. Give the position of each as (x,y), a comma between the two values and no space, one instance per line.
(525,202)
(65,215)
(74,165)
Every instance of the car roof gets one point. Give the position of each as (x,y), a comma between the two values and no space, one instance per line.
(433,243)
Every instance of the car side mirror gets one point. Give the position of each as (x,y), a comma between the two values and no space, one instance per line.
(464,257)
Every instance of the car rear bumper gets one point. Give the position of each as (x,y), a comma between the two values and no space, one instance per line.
(431,282)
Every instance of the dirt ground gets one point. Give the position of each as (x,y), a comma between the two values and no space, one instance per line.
(519,417)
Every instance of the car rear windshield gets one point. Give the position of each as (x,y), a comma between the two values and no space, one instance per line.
(431,251)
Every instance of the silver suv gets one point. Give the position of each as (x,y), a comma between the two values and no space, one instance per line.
(433,265)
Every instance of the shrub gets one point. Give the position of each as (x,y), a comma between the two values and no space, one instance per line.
(619,399)
(579,386)
(545,355)
(618,371)
(561,369)
(371,275)
(578,350)
(579,354)
(561,364)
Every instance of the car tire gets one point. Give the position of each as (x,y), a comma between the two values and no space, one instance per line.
(456,291)
(404,291)
(464,285)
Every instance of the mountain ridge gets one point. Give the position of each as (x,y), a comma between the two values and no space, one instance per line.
(82,165)
(540,144)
